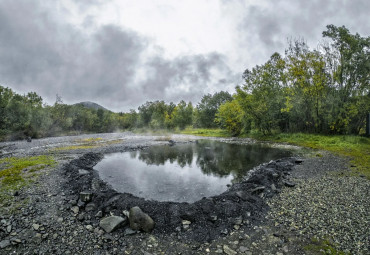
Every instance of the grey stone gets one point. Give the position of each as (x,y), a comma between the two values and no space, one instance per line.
(273,187)
(243,249)
(129,232)
(83,172)
(238,220)
(286,249)
(258,189)
(242,195)
(37,238)
(81,217)
(228,250)
(213,218)
(80,203)
(90,207)
(36,226)
(126,213)
(4,244)
(289,184)
(89,228)
(111,223)
(140,220)
(75,209)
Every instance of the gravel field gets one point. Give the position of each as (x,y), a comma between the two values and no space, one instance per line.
(320,200)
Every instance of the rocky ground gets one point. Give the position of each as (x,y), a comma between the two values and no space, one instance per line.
(285,207)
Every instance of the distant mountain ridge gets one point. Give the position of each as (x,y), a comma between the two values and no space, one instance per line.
(92,105)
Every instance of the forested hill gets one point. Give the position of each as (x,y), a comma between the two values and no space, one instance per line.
(92,105)
(323,90)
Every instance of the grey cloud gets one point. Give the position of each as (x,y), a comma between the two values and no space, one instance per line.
(49,58)
(265,28)
(42,54)
(194,72)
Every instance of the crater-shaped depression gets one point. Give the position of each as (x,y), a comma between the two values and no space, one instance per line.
(183,172)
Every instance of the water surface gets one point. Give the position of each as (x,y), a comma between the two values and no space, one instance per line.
(183,172)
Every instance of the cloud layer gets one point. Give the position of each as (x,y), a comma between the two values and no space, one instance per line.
(43,50)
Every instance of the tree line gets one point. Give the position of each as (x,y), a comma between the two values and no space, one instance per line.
(27,116)
(324,90)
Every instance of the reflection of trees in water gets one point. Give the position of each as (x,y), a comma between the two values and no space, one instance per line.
(222,158)
(213,158)
(133,154)
(158,155)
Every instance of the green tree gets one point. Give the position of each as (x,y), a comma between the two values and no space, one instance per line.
(230,116)
(264,85)
(307,89)
(182,115)
(207,108)
(349,59)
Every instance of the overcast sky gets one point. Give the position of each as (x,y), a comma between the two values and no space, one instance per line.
(121,53)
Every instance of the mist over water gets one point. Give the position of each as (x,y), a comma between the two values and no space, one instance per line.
(183,172)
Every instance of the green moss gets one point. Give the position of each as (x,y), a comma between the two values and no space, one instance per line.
(323,247)
(74,147)
(86,140)
(16,173)
(205,132)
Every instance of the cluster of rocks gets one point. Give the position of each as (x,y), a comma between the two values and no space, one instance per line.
(137,219)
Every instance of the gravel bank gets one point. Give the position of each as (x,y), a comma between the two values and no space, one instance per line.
(326,206)
(327,203)
(324,203)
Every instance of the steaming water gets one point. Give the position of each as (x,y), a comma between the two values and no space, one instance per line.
(183,172)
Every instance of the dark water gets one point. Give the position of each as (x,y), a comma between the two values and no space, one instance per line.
(183,172)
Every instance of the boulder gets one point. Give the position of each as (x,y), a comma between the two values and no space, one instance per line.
(111,223)
(4,244)
(140,220)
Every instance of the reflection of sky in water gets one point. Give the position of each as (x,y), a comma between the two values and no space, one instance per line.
(184,172)
(168,182)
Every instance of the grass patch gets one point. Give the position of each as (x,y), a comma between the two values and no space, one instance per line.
(16,173)
(89,143)
(89,140)
(205,132)
(163,138)
(74,147)
(113,142)
(323,247)
(355,147)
